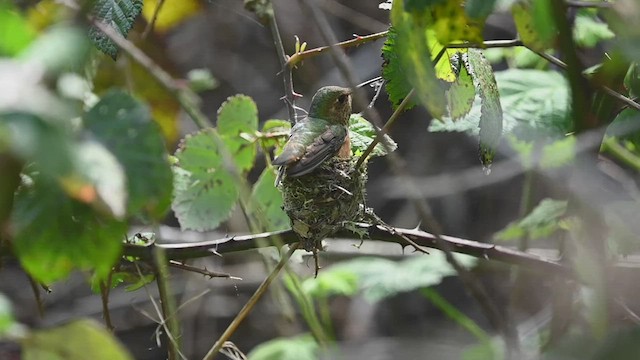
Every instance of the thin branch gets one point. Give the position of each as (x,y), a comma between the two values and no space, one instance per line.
(187,98)
(290,94)
(205,272)
(246,309)
(152,23)
(358,40)
(105,288)
(385,128)
(36,293)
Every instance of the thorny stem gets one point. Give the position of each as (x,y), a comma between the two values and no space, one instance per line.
(205,272)
(248,306)
(290,95)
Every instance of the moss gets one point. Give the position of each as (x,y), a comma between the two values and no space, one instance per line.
(320,202)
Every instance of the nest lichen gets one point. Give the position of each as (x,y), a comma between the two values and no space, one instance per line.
(319,203)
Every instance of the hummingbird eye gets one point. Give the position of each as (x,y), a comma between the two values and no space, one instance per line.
(342,98)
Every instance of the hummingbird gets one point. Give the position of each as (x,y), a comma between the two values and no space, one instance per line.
(322,134)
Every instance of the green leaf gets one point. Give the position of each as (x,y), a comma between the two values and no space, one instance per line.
(626,126)
(265,205)
(61,49)
(397,83)
(490,122)
(535,103)
(7,321)
(380,278)
(342,282)
(205,192)
(362,133)
(124,126)
(55,234)
(483,351)
(275,133)
(632,80)
(78,340)
(412,50)
(301,347)
(118,14)
(559,153)
(452,24)
(534,23)
(541,222)
(15,31)
(588,30)
(461,93)
(238,115)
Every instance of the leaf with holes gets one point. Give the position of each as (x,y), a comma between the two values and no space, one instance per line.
(205,192)
(451,23)
(238,117)
(124,126)
(117,14)
(462,92)
(55,234)
(491,112)
(265,205)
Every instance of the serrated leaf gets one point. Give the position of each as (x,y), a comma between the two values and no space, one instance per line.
(81,339)
(237,115)
(534,23)
(275,133)
(362,133)
(535,103)
(205,193)
(479,9)
(301,347)
(461,93)
(490,123)
(265,205)
(55,234)
(412,50)
(380,278)
(118,14)
(588,30)
(396,81)
(124,126)
(541,222)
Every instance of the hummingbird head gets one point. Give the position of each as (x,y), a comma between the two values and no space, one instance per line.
(332,103)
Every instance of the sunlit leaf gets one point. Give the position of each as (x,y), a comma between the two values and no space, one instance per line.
(172,13)
(588,30)
(479,9)
(15,32)
(275,133)
(451,23)
(78,340)
(535,24)
(237,116)
(461,93)
(559,153)
(343,282)
(125,127)
(204,191)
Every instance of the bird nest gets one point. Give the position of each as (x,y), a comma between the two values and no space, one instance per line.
(319,203)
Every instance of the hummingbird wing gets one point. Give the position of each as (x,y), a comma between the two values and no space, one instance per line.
(310,145)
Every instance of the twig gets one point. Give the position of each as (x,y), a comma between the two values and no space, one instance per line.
(246,309)
(359,40)
(385,128)
(167,302)
(205,272)
(290,95)
(152,23)
(36,294)
(472,285)
(187,99)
